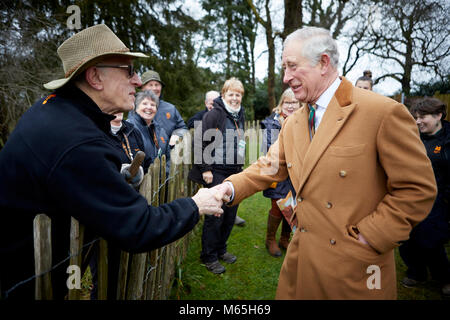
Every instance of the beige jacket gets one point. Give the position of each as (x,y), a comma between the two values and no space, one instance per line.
(365,171)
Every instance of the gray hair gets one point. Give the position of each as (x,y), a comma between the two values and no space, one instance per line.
(147,94)
(212,93)
(315,42)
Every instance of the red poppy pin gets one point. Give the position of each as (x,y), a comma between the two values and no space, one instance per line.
(168,115)
(437,149)
(162,139)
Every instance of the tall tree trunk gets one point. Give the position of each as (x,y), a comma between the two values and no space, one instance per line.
(406,78)
(271,61)
(229,35)
(293,17)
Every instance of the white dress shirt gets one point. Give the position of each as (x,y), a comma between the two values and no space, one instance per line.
(324,100)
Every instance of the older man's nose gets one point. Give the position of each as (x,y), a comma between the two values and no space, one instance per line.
(287,76)
(136,80)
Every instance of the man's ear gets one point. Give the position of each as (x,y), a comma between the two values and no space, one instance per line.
(94,78)
(325,63)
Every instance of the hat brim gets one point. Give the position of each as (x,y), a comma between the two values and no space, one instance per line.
(58,83)
(144,83)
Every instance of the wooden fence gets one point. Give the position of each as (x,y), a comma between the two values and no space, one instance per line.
(149,276)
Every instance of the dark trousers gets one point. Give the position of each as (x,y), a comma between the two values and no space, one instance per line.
(419,260)
(217,230)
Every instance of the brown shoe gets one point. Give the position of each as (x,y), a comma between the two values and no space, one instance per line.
(285,235)
(271,242)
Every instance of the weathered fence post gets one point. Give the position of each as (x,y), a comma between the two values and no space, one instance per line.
(42,257)
(102,271)
(76,245)
(121,292)
(137,272)
(137,286)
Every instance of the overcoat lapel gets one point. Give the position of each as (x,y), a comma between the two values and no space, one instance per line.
(301,136)
(335,117)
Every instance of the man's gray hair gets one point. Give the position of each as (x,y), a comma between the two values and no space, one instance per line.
(212,93)
(315,41)
(147,94)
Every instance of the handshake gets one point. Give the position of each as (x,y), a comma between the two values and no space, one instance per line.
(210,201)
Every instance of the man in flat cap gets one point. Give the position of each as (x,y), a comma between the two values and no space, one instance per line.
(60,160)
(167,115)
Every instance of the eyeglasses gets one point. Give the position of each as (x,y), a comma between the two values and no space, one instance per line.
(130,68)
(294,103)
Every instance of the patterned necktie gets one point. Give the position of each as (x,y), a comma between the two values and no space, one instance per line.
(312,115)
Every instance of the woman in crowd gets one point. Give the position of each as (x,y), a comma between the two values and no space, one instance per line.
(128,138)
(154,136)
(365,82)
(425,248)
(225,122)
(272,126)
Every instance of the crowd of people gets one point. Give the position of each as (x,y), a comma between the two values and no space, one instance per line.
(361,178)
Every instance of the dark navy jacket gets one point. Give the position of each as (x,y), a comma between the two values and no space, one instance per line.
(60,160)
(196,117)
(170,119)
(222,152)
(434,229)
(151,150)
(129,133)
(271,128)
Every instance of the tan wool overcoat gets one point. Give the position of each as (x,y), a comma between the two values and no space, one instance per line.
(366,171)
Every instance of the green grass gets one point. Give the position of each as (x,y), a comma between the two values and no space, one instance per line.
(254,275)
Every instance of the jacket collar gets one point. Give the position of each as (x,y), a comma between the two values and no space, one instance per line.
(218,103)
(87,106)
(335,117)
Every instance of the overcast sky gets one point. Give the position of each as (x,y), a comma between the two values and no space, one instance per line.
(387,87)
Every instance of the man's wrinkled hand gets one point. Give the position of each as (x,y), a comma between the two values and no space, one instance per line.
(223,192)
(207,202)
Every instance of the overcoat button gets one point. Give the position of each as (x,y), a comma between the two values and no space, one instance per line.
(299,199)
(302,230)
(289,165)
(329,205)
(342,173)
(333,242)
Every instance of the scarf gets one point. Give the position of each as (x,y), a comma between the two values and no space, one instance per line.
(115,129)
(234,113)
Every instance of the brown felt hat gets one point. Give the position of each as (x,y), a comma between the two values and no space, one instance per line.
(85,46)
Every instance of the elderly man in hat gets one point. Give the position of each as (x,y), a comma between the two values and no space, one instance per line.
(60,160)
(361,175)
(167,115)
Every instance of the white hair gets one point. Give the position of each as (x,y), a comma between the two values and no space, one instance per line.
(212,93)
(315,42)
